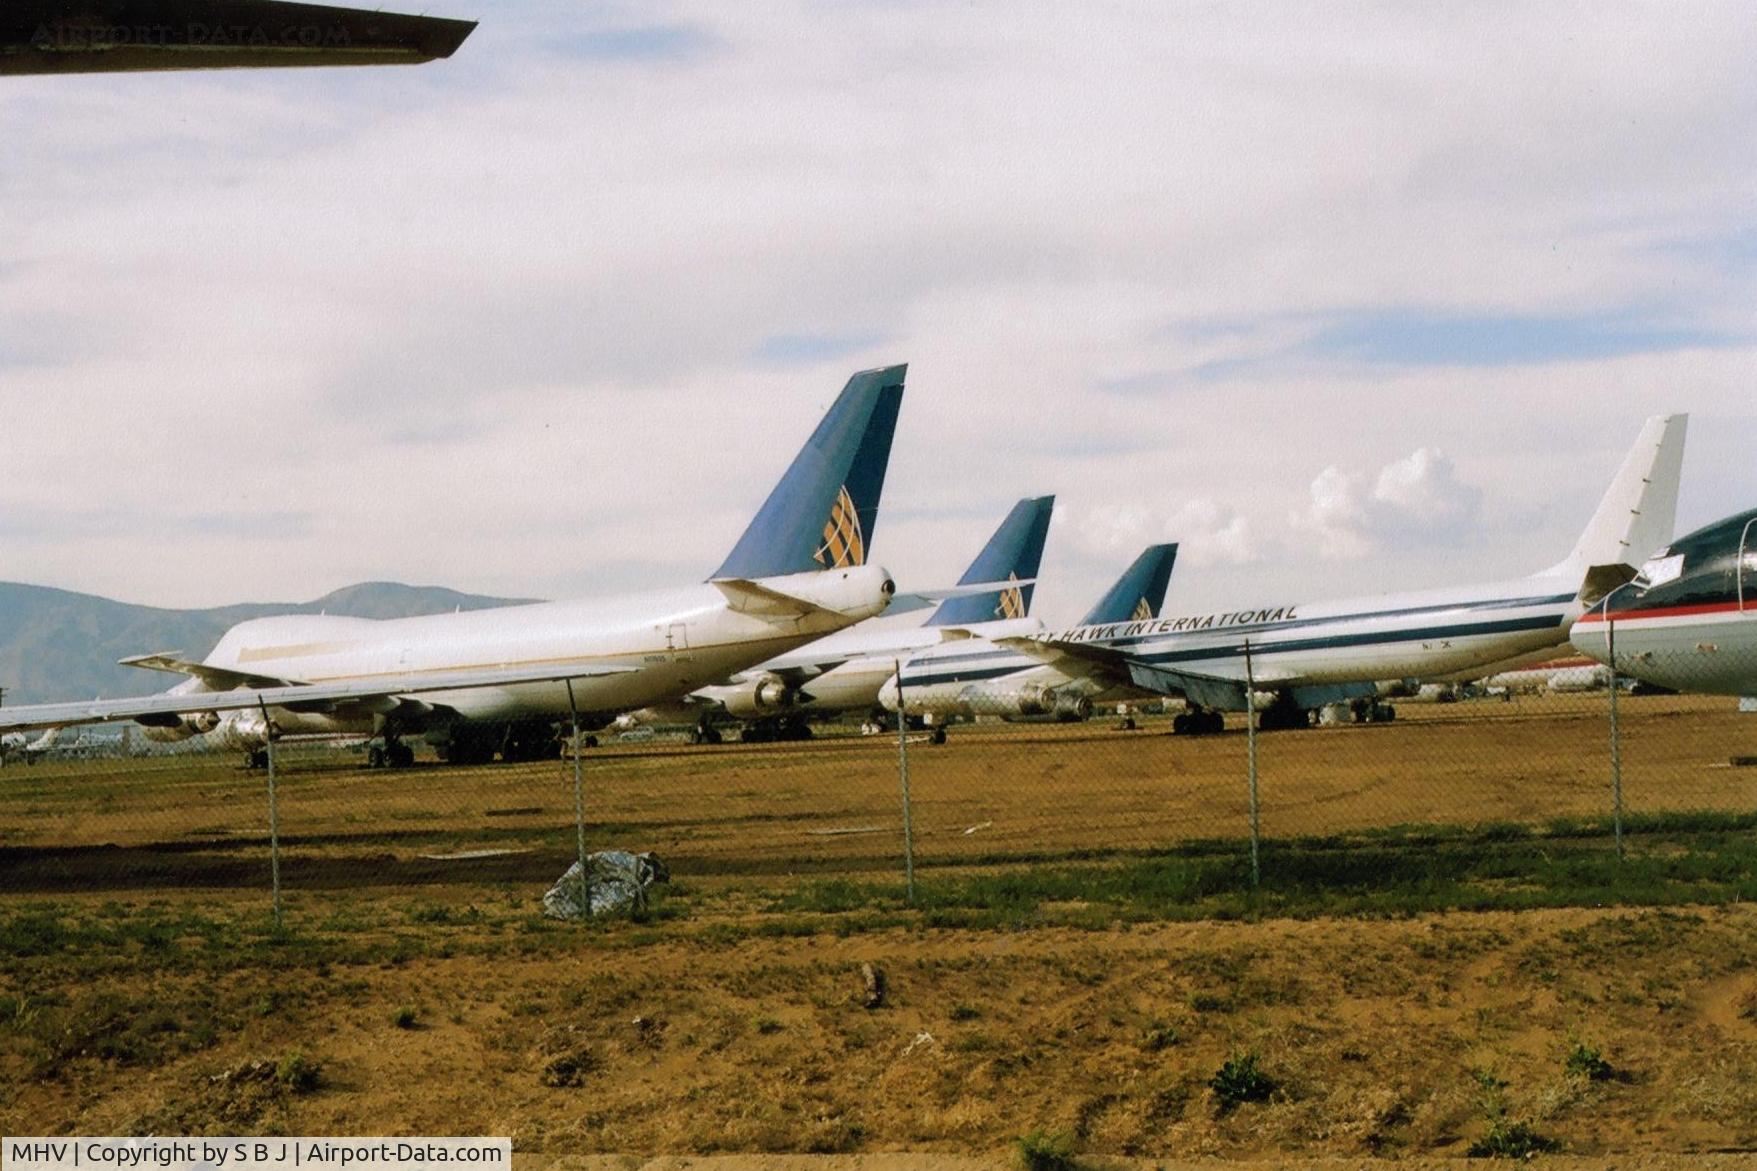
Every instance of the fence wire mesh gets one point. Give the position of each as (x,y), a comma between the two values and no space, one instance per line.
(104,811)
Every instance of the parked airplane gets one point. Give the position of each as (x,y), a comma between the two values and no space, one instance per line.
(127,36)
(844,671)
(1310,655)
(500,679)
(1689,619)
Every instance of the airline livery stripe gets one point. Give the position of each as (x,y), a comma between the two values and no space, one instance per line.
(1165,626)
(1674,611)
(1264,649)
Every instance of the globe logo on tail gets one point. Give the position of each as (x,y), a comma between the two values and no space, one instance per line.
(843,545)
(1142,611)
(1012,601)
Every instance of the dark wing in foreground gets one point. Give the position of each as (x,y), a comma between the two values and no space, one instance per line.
(125,36)
(305,696)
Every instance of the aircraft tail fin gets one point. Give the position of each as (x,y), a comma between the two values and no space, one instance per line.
(1140,592)
(1012,554)
(1638,510)
(822,513)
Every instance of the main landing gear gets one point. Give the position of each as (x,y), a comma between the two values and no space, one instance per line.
(767,731)
(1198,721)
(389,753)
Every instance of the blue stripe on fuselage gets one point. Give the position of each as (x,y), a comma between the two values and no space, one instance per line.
(1262,650)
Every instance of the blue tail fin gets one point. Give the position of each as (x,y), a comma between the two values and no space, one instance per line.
(1139,592)
(1013,552)
(822,513)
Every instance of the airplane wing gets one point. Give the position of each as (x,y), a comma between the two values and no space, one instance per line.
(1216,689)
(306,696)
(1096,661)
(113,36)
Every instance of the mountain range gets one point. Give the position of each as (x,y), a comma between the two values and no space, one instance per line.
(56,644)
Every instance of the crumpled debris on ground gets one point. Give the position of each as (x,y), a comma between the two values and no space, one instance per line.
(619,882)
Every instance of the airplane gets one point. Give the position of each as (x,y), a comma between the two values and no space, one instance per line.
(129,36)
(480,681)
(844,671)
(1307,656)
(1136,596)
(1688,621)
(50,746)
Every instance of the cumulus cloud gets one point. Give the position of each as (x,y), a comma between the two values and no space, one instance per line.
(1413,502)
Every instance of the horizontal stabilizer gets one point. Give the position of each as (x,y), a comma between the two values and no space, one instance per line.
(304,696)
(751,597)
(216,678)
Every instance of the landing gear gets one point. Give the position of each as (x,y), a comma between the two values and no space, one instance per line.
(466,747)
(939,734)
(533,740)
(769,731)
(1372,711)
(389,754)
(1282,715)
(256,758)
(1198,721)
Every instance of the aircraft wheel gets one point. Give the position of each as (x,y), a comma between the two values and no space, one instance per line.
(375,756)
(591,742)
(712,736)
(1180,724)
(939,736)
(401,755)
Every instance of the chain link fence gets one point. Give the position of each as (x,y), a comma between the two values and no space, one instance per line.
(108,811)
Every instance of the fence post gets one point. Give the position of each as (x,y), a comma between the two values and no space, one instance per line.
(903,778)
(1610,633)
(1251,752)
(274,821)
(579,806)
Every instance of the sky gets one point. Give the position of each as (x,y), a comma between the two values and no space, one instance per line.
(1342,298)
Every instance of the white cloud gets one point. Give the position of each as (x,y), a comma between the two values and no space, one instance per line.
(1413,503)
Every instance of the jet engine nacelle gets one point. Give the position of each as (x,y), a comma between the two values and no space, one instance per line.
(762,696)
(1030,699)
(181,726)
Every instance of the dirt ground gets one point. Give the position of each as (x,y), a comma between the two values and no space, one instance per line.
(422,994)
(832,807)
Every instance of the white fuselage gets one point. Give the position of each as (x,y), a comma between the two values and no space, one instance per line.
(845,671)
(672,641)
(1429,634)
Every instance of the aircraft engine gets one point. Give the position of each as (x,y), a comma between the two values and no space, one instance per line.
(1071,708)
(1030,699)
(168,729)
(763,696)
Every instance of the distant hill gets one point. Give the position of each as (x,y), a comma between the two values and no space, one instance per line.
(55,644)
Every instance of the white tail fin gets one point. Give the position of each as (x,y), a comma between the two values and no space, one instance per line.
(1641,505)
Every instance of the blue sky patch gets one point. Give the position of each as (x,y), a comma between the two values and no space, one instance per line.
(653,42)
(1414,338)
(805,348)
